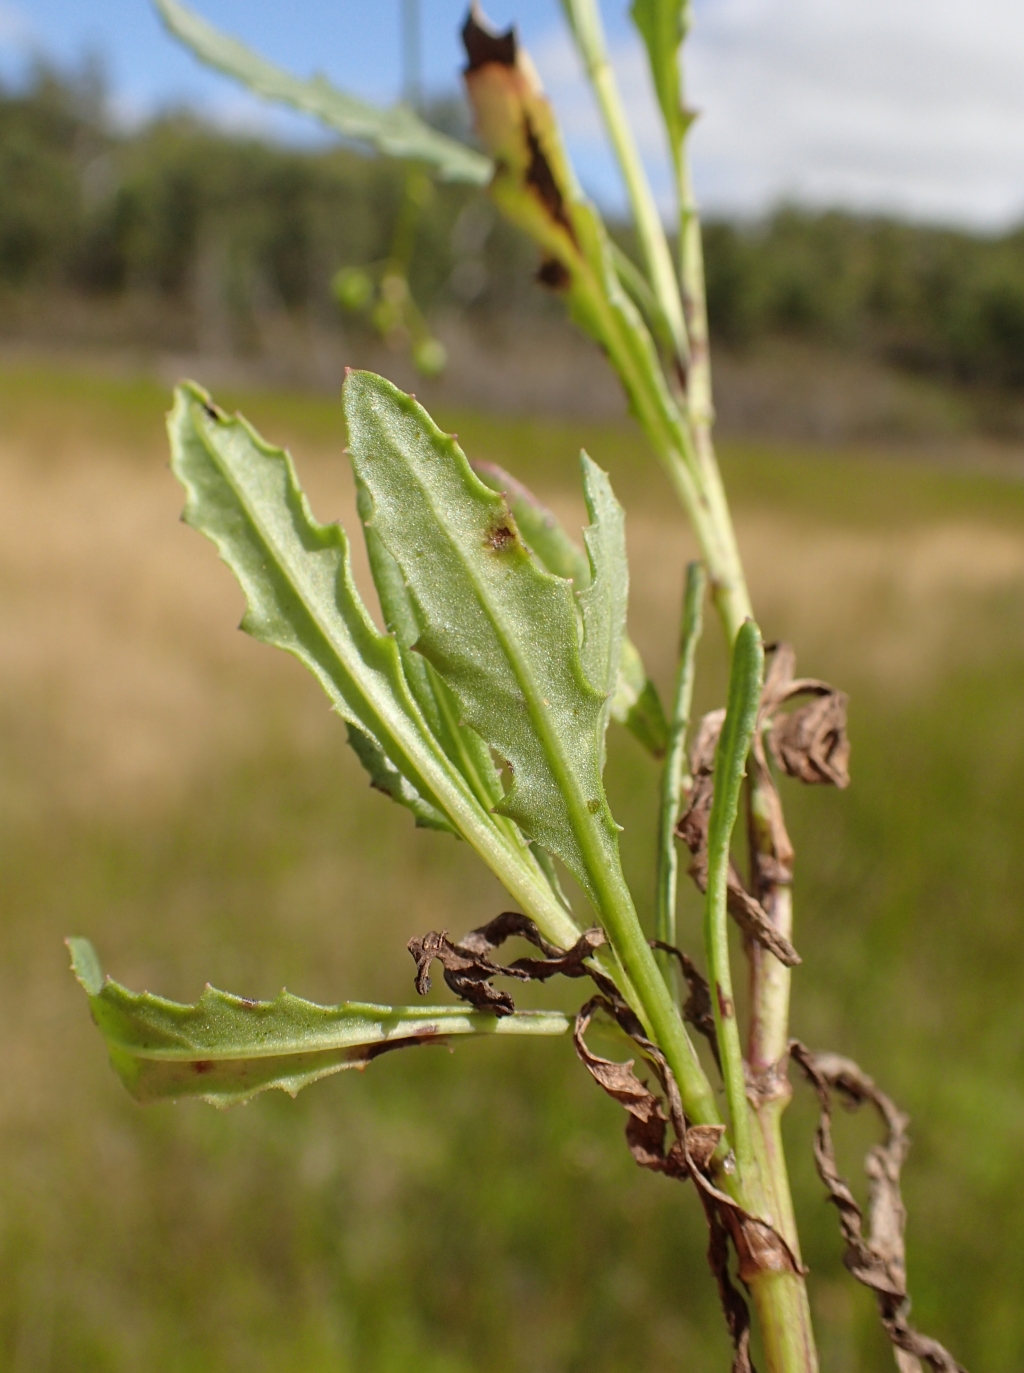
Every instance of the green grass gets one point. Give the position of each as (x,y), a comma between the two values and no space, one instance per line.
(477,1212)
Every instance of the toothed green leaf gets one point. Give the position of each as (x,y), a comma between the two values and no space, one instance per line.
(636,703)
(397,131)
(500,630)
(295,573)
(463,746)
(385,777)
(225,1049)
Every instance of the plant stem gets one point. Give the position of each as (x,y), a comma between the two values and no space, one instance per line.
(585,21)
(784,1316)
(674,767)
(657,1007)
(745,678)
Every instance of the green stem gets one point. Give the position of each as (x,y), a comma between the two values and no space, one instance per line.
(784,1315)
(657,1007)
(675,766)
(745,679)
(695,309)
(585,21)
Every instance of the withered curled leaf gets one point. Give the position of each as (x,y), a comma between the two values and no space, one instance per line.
(697,1010)
(876,1259)
(468,967)
(809,743)
(645,1129)
(467,974)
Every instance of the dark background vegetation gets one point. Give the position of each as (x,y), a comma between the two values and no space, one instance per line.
(184,797)
(178,237)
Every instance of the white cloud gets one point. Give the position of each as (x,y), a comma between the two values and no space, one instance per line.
(913,106)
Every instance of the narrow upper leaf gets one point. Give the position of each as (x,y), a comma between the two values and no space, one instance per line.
(500,630)
(243,494)
(663,24)
(225,1049)
(397,131)
(603,603)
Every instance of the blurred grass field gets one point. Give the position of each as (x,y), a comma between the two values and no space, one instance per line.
(185,798)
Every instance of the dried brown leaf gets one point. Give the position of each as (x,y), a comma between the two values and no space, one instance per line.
(468,967)
(697,1009)
(878,1258)
(467,974)
(734,1308)
(645,1129)
(809,743)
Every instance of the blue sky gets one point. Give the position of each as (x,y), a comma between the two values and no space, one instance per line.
(912,106)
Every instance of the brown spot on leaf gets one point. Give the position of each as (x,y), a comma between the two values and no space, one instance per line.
(541,180)
(725,1007)
(877,1259)
(499,537)
(202,1065)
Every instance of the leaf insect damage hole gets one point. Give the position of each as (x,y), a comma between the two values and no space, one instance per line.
(501,536)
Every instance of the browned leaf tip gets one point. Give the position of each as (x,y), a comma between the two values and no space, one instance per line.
(484,44)
(692,829)
(468,967)
(878,1258)
(517,127)
(809,743)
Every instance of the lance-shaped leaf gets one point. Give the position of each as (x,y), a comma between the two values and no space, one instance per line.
(663,25)
(499,629)
(295,573)
(397,131)
(635,703)
(603,601)
(225,1049)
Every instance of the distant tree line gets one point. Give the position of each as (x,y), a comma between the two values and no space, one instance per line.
(213,226)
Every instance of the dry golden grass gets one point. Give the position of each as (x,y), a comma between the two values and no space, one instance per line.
(184,795)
